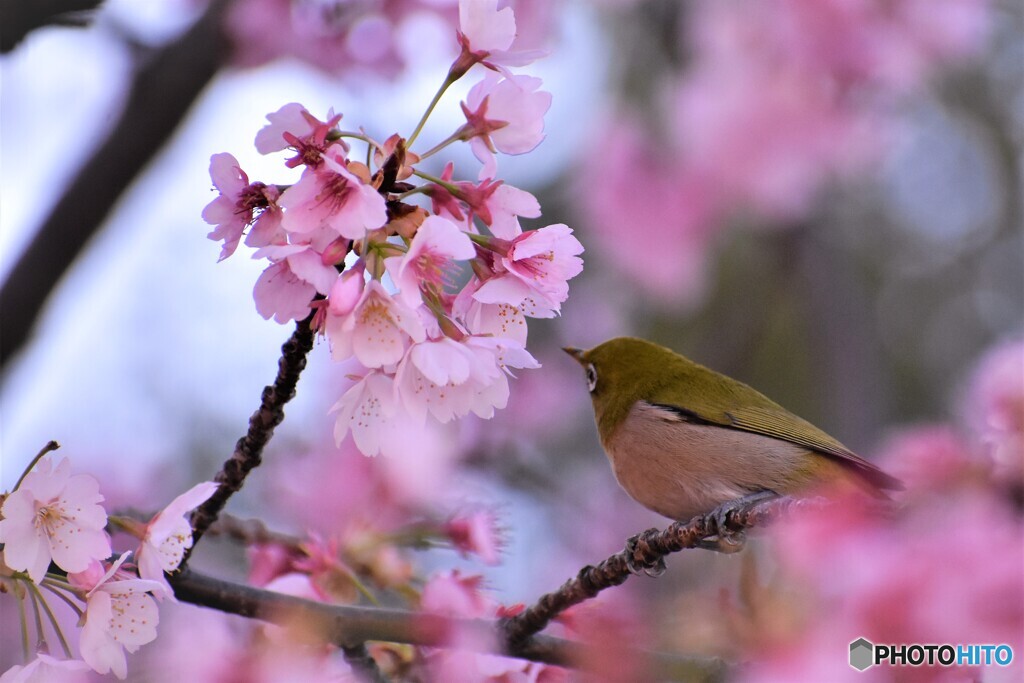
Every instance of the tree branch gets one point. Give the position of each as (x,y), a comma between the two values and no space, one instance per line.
(645,551)
(160,95)
(350,626)
(22,17)
(248,452)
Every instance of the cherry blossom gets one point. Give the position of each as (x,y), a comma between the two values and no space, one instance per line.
(536,265)
(485,26)
(504,114)
(232,211)
(331,196)
(292,126)
(428,263)
(169,535)
(448,379)
(53,516)
(120,615)
(285,289)
(375,329)
(367,410)
(45,669)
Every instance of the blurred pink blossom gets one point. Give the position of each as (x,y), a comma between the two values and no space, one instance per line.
(46,669)
(475,533)
(995,406)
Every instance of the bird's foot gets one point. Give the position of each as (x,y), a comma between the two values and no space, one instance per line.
(725,540)
(655,570)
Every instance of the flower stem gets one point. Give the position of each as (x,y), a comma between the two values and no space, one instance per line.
(48,448)
(58,590)
(23,618)
(437,181)
(52,619)
(430,109)
(454,137)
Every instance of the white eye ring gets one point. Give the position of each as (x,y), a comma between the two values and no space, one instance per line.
(591,377)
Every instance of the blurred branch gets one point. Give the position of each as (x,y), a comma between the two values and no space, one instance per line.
(350,626)
(249,449)
(646,551)
(21,17)
(160,95)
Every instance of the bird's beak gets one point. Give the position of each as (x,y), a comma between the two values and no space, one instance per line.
(575,353)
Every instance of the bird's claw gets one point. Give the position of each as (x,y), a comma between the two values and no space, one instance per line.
(723,539)
(655,570)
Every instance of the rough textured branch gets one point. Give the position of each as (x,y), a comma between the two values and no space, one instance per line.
(249,449)
(350,626)
(646,551)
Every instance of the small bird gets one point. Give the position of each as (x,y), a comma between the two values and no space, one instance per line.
(683,439)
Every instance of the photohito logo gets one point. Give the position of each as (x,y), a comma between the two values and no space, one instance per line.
(865,654)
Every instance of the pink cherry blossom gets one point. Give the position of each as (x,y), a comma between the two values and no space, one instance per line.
(120,615)
(293,126)
(485,36)
(500,320)
(430,259)
(449,379)
(504,206)
(53,516)
(368,410)
(331,197)
(536,266)
(169,535)
(504,114)
(285,289)
(46,669)
(232,211)
(485,26)
(376,329)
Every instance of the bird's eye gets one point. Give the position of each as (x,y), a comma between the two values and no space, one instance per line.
(591,377)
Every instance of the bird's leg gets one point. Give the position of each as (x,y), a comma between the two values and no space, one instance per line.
(656,570)
(726,541)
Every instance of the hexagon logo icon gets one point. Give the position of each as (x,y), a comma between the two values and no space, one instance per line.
(861,654)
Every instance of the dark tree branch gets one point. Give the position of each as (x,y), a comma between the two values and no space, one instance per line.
(350,626)
(160,95)
(20,17)
(647,552)
(249,449)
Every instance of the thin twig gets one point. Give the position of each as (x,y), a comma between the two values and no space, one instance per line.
(648,551)
(249,449)
(348,626)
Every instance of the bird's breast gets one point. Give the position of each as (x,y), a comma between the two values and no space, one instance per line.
(680,469)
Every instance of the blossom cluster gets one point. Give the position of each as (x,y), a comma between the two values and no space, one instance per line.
(427,301)
(55,517)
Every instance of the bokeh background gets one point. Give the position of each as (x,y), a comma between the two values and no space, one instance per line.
(820,199)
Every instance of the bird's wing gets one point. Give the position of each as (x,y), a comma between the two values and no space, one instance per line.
(777,423)
(780,424)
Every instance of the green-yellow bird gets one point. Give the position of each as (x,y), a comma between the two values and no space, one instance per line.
(683,439)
